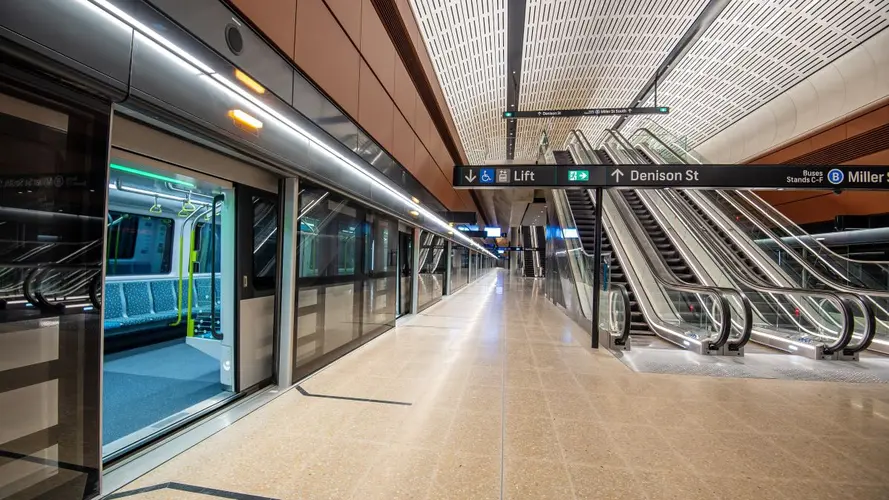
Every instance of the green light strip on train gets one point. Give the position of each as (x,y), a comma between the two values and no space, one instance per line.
(151,175)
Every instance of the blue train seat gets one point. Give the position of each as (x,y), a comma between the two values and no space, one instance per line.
(113,306)
(137,305)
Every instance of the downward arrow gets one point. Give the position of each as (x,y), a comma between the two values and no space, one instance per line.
(470,177)
(617,175)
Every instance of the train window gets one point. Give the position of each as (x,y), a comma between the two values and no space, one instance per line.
(265,242)
(138,244)
(308,258)
(201,244)
(346,249)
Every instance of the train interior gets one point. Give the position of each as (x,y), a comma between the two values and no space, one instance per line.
(167,352)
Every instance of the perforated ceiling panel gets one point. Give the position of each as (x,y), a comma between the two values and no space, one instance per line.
(466,40)
(755,51)
(583,54)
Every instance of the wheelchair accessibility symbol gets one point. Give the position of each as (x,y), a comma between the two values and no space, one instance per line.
(835,176)
(486,176)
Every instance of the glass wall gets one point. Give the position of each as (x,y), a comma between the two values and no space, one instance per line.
(473,272)
(459,267)
(348,276)
(432,269)
(53,163)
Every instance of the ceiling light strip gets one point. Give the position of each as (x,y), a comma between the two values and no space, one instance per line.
(261,108)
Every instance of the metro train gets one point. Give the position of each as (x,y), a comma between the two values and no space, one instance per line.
(175,240)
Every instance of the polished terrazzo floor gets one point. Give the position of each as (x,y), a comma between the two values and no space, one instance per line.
(505,401)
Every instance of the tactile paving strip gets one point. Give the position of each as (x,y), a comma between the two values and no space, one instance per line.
(773,366)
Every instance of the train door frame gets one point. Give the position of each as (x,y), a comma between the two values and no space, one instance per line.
(405,256)
(181,149)
(227,346)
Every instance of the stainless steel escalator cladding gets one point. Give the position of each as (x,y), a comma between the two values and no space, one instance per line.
(721,315)
(838,347)
(574,268)
(867,301)
(843,346)
(615,147)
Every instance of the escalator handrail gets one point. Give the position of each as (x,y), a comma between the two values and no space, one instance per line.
(625,297)
(870,327)
(746,305)
(660,256)
(675,202)
(780,243)
(94,288)
(720,293)
(842,299)
(760,211)
(579,143)
(657,139)
(761,205)
(624,336)
(631,155)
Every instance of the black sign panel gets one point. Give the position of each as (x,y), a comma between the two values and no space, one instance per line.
(680,176)
(565,113)
(459,217)
(475,234)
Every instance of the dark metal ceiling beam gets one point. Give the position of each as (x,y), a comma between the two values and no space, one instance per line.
(515,41)
(705,19)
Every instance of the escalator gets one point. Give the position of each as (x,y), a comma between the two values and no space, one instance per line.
(767,307)
(529,265)
(800,317)
(763,304)
(686,305)
(527,255)
(585,218)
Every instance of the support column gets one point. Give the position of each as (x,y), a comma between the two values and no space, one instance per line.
(597,269)
(288,276)
(415,272)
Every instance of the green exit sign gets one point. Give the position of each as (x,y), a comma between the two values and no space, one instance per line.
(508,114)
(578,175)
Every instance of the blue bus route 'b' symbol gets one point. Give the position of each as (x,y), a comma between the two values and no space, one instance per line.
(835,176)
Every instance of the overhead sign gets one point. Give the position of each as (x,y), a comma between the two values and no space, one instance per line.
(493,232)
(475,234)
(865,177)
(459,217)
(518,249)
(550,113)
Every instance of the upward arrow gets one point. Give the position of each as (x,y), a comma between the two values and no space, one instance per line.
(617,175)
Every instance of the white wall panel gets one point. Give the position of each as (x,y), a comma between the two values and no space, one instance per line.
(855,80)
